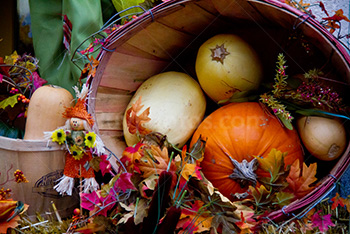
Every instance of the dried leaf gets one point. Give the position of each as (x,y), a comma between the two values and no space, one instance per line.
(338,16)
(105,165)
(227,223)
(134,121)
(191,170)
(261,195)
(197,219)
(10,101)
(141,211)
(283,198)
(247,213)
(300,182)
(322,222)
(91,66)
(337,201)
(131,156)
(90,228)
(155,161)
(273,163)
(95,163)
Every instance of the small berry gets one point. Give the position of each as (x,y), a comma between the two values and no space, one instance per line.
(76,211)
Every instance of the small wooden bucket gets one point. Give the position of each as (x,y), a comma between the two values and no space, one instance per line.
(42,163)
(168,37)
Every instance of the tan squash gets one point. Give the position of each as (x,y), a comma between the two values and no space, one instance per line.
(324,138)
(45,111)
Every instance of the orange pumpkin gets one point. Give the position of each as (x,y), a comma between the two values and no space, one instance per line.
(238,131)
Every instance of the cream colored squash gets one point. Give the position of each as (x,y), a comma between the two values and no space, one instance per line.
(324,138)
(226,65)
(45,111)
(177,105)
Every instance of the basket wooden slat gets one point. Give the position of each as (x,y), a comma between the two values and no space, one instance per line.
(123,67)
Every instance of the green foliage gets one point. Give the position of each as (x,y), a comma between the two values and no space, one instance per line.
(10,101)
(121,5)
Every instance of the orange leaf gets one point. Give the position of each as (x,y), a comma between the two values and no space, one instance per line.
(131,156)
(155,161)
(300,181)
(191,170)
(7,208)
(338,16)
(347,203)
(91,228)
(134,121)
(194,220)
(91,66)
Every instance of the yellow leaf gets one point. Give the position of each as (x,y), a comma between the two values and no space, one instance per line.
(273,162)
(189,170)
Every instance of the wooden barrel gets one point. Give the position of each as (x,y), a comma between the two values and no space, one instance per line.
(168,37)
(42,163)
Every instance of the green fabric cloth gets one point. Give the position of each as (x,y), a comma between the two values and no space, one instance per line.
(47,29)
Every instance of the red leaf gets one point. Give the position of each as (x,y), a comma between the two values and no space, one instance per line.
(124,182)
(338,16)
(89,200)
(105,165)
(322,222)
(131,156)
(37,80)
(323,8)
(95,202)
(337,201)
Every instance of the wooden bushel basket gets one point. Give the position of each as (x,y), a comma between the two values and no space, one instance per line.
(168,37)
(42,163)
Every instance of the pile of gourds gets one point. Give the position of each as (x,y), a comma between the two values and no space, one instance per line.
(226,67)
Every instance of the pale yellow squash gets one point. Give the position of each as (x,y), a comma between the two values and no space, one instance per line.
(177,105)
(227,66)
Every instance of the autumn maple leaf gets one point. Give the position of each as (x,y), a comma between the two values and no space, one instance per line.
(131,156)
(194,219)
(188,169)
(91,66)
(301,5)
(322,222)
(300,181)
(261,195)
(155,161)
(273,163)
(338,201)
(246,222)
(338,16)
(323,8)
(95,202)
(333,21)
(105,165)
(134,121)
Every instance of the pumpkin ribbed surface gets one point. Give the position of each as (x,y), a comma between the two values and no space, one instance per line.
(241,130)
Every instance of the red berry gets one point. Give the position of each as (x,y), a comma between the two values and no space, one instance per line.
(76,211)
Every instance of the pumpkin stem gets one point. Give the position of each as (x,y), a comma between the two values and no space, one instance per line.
(219,53)
(244,172)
